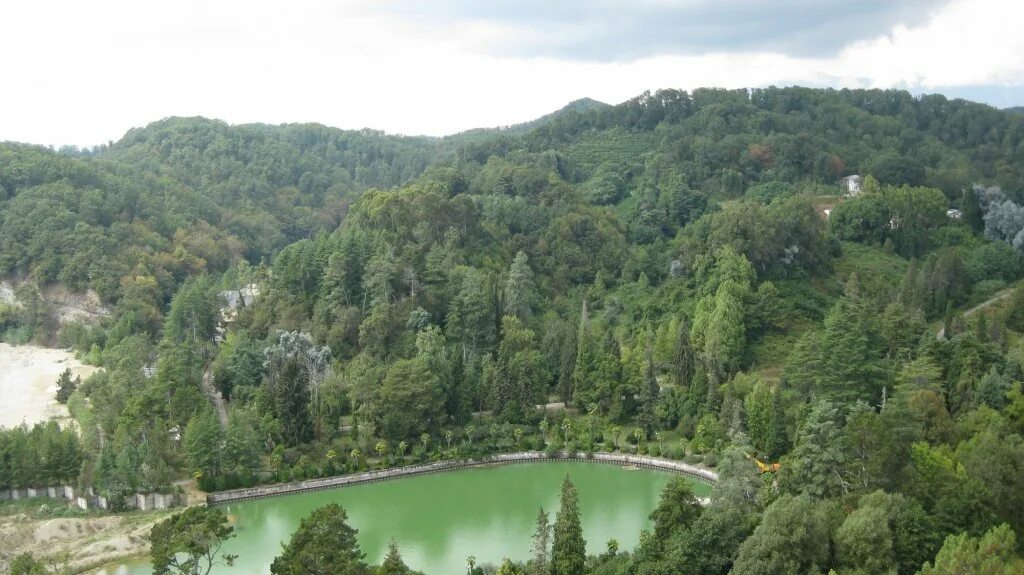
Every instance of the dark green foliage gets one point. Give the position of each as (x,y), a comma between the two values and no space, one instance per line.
(324,544)
(66,386)
(41,456)
(568,551)
(413,400)
(792,538)
(664,266)
(677,508)
(189,542)
(393,564)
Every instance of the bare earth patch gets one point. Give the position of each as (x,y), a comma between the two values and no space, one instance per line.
(28,377)
(85,542)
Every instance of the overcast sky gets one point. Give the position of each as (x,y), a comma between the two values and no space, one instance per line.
(84,72)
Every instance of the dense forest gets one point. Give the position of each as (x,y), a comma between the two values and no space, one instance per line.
(682,271)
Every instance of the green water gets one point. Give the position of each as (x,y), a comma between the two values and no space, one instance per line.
(440,519)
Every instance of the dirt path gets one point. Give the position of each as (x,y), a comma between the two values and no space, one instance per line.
(983,305)
(215,396)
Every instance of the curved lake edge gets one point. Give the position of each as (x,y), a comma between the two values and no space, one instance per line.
(644,461)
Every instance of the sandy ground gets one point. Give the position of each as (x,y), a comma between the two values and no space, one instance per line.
(84,542)
(28,381)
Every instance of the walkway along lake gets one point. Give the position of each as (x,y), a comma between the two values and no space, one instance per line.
(439,519)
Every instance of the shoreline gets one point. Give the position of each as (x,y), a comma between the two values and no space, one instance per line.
(277,489)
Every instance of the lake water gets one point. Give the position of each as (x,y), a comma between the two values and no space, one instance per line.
(440,519)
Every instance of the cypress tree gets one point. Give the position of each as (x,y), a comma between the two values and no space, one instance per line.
(682,356)
(777,442)
(971,209)
(584,367)
(520,291)
(541,543)
(569,551)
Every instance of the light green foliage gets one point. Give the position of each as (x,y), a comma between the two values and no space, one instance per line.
(719,328)
(992,554)
(520,292)
(26,564)
(710,434)
(864,542)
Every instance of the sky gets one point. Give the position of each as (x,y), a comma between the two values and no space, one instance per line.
(83,73)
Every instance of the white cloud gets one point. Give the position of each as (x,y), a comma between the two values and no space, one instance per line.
(84,73)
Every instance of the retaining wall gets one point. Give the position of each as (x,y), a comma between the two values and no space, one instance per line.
(440,466)
(87,498)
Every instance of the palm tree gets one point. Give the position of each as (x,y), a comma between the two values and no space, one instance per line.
(616,431)
(448,435)
(658,437)
(567,428)
(425,441)
(402,446)
(517,435)
(470,564)
(638,434)
(470,430)
(544,429)
(381,448)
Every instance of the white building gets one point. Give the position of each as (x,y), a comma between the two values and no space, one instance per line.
(851,185)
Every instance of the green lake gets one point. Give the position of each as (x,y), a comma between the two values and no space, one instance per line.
(440,519)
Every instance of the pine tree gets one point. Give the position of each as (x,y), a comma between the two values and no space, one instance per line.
(852,350)
(520,292)
(65,386)
(569,549)
(324,544)
(393,564)
(541,543)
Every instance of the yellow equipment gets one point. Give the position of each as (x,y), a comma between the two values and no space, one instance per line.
(762,466)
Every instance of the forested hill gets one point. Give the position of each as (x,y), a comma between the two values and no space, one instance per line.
(682,270)
(187,195)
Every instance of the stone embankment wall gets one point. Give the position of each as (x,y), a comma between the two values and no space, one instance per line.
(88,499)
(524,457)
